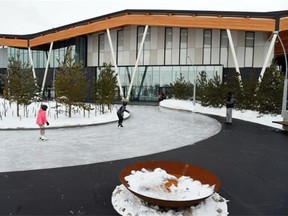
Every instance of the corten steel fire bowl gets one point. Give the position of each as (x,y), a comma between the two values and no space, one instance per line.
(173,168)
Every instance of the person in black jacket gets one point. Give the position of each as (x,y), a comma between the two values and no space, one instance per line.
(230,102)
(120,113)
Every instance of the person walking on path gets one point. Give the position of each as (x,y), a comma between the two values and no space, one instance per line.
(230,102)
(42,120)
(120,113)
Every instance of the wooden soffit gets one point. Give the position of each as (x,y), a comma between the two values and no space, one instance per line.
(164,20)
(248,24)
(283,24)
(13,42)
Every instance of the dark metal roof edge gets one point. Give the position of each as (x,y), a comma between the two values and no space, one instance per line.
(268,15)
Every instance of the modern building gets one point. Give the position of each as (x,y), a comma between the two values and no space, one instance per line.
(151,48)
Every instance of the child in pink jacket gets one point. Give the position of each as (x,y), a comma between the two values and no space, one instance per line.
(42,120)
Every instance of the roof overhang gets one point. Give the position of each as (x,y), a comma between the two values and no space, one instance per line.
(247,21)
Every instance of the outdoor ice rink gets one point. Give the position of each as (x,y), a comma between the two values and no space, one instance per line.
(149,130)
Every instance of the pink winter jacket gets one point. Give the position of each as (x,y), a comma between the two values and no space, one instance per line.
(41,117)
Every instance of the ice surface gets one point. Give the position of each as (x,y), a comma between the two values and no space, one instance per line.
(150,129)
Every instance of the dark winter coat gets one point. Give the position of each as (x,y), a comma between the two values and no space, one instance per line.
(121,110)
(230,101)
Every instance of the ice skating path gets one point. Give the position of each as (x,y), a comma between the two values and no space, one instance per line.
(150,129)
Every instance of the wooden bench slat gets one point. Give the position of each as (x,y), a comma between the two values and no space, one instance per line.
(281,122)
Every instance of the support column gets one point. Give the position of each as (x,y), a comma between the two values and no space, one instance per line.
(137,61)
(195,80)
(275,33)
(46,69)
(115,63)
(31,62)
(231,44)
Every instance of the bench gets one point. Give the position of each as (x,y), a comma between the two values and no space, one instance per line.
(285,123)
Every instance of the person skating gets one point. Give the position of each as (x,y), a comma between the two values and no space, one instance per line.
(120,113)
(42,120)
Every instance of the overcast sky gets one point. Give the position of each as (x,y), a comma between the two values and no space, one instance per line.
(32,16)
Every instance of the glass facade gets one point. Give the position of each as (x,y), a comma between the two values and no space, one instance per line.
(101,49)
(171,49)
(224,48)
(183,47)
(149,79)
(145,55)
(120,47)
(78,45)
(249,49)
(207,46)
(168,46)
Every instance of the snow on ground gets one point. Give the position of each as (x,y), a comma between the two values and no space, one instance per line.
(11,121)
(27,118)
(246,115)
(126,203)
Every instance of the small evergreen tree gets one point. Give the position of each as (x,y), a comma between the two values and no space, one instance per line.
(215,91)
(182,89)
(201,88)
(233,85)
(70,83)
(105,86)
(19,83)
(269,94)
(248,99)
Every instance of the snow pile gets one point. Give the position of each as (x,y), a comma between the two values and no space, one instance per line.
(159,184)
(126,203)
(154,184)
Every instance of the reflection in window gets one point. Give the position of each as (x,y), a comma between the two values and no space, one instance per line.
(120,47)
(207,46)
(224,48)
(183,46)
(145,55)
(101,49)
(249,49)
(168,46)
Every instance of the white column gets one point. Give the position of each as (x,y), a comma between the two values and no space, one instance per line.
(31,62)
(137,61)
(195,81)
(115,64)
(284,99)
(231,44)
(268,55)
(46,69)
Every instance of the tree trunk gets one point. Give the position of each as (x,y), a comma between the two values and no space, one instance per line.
(69,110)
(18,109)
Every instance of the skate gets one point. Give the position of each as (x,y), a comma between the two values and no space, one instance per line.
(43,138)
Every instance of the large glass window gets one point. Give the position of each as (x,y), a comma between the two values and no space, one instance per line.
(249,49)
(40,57)
(183,46)
(224,48)
(145,55)
(168,46)
(207,46)
(101,49)
(120,47)
(81,50)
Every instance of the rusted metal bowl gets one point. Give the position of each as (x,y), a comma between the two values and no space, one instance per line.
(177,169)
